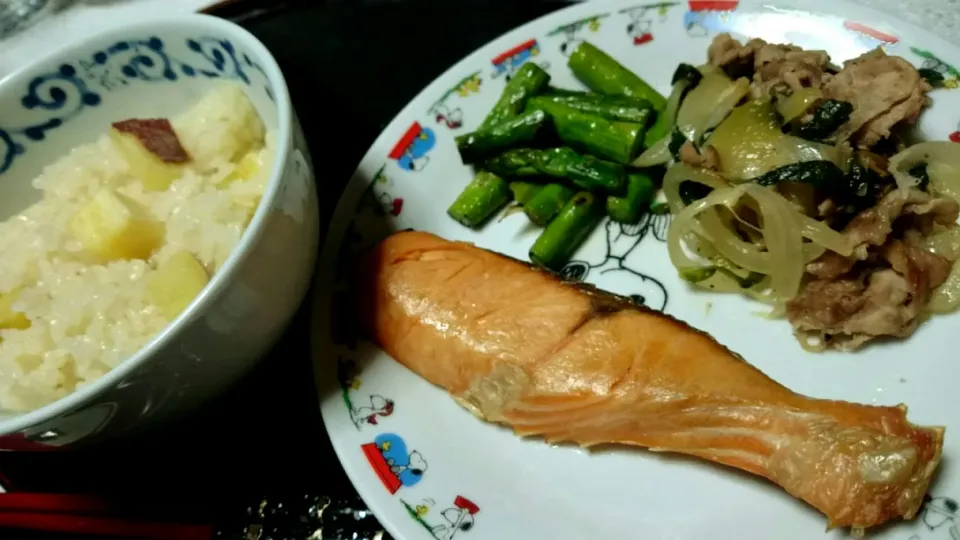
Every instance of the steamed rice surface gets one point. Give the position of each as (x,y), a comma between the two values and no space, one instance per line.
(86,318)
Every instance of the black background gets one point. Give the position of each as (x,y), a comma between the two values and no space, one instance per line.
(351,66)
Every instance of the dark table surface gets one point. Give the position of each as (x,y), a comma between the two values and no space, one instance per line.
(351,66)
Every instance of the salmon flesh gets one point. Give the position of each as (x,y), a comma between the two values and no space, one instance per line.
(567,362)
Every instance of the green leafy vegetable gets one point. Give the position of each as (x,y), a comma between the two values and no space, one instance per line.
(830,115)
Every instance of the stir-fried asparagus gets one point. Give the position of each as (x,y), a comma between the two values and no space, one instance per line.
(631,207)
(567,231)
(526,82)
(566,189)
(524,191)
(618,108)
(547,203)
(585,172)
(512,132)
(617,141)
(486,194)
(602,74)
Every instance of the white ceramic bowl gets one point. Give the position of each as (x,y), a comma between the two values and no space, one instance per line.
(159,69)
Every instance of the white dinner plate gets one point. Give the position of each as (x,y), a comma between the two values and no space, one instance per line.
(453,476)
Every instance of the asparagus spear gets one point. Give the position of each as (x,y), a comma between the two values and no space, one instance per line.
(585,172)
(547,203)
(528,80)
(630,208)
(565,92)
(561,238)
(601,73)
(617,108)
(616,141)
(482,197)
(510,132)
(524,191)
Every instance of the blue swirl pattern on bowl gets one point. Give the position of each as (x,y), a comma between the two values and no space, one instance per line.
(75,86)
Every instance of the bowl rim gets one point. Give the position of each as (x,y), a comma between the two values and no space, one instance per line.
(254,230)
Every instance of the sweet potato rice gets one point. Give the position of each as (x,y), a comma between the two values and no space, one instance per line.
(130,228)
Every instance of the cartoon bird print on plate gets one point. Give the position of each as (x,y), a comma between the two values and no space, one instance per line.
(458,518)
(508,62)
(572,33)
(366,410)
(393,463)
(445,111)
(939,516)
(615,273)
(411,151)
(640,27)
(938,72)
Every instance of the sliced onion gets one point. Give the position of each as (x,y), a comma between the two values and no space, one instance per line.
(939,154)
(709,103)
(944,179)
(657,154)
(798,103)
(680,172)
(819,233)
(947,297)
(781,253)
(945,243)
(783,257)
(781,234)
(673,102)
(812,252)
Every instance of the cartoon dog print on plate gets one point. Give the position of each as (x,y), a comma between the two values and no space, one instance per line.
(621,241)
(640,27)
(940,514)
(363,413)
(394,465)
(508,62)
(458,518)
(571,32)
(372,219)
(411,150)
(450,115)
(707,16)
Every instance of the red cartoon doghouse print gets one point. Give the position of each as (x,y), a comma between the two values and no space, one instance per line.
(508,62)
(708,16)
(871,36)
(411,150)
(393,464)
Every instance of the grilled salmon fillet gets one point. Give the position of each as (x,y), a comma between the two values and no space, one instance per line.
(520,347)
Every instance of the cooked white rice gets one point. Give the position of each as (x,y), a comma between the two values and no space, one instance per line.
(86,318)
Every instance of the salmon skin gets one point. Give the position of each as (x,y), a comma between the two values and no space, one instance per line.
(520,347)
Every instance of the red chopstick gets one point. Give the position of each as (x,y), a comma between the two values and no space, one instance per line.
(60,503)
(104,526)
(87,514)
